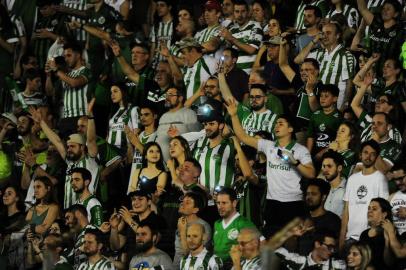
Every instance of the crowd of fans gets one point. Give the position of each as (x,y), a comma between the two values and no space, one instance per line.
(204,134)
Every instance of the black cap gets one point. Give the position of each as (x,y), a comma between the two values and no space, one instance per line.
(210,110)
(140,193)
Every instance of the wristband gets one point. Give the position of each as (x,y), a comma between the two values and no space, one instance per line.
(297,163)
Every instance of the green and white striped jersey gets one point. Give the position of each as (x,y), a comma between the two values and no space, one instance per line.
(200,72)
(365,123)
(217,163)
(336,68)
(299,22)
(123,116)
(162,33)
(79,34)
(102,264)
(87,162)
(94,210)
(251,34)
(76,255)
(253,122)
(208,33)
(205,260)
(349,12)
(75,98)
(253,264)
(144,138)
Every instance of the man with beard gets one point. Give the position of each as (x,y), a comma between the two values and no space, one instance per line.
(210,89)
(140,212)
(257,117)
(199,257)
(214,152)
(331,168)
(81,179)
(148,255)
(227,228)
(209,36)
(361,187)
(77,221)
(75,84)
(322,220)
(301,14)
(92,246)
(177,117)
(189,209)
(53,249)
(311,19)
(75,154)
(398,199)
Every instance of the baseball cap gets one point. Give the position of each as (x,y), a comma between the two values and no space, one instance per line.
(187,43)
(275,40)
(212,4)
(76,138)
(140,193)
(11,117)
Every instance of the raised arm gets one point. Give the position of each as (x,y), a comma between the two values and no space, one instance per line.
(189,102)
(72,82)
(359,77)
(306,50)
(261,51)
(367,15)
(91,131)
(224,88)
(238,130)
(283,62)
(245,167)
(127,69)
(51,135)
(95,31)
(356,101)
(226,34)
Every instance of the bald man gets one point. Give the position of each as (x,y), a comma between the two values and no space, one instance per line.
(199,257)
(246,255)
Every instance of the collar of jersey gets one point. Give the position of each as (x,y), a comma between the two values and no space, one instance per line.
(289,146)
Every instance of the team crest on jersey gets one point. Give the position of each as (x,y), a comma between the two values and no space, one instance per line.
(232,234)
(101,20)
(322,127)
(362,192)
(54,22)
(392,34)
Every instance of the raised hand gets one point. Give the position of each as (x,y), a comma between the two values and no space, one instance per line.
(231,106)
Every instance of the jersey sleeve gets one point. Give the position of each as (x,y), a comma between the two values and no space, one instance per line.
(264,145)
(96,213)
(242,111)
(303,155)
(133,122)
(364,120)
(255,37)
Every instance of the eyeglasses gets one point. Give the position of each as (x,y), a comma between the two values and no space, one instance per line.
(243,243)
(256,97)
(331,248)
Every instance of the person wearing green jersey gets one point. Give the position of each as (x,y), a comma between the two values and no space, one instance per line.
(227,229)
(324,123)
(209,36)
(287,163)
(257,117)
(32,94)
(247,255)
(81,179)
(244,35)
(92,245)
(199,257)
(300,14)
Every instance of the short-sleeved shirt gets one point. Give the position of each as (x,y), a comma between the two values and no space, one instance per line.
(336,68)
(250,34)
(205,260)
(158,260)
(94,210)
(283,178)
(299,23)
(390,151)
(360,190)
(334,201)
(201,70)
(225,235)
(75,98)
(323,128)
(253,122)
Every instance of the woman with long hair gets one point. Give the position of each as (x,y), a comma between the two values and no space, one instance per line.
(179,151)
(46,209)
(124,114)
(261,12)
(346,144)
(359,257)
(151,177)
(379,210)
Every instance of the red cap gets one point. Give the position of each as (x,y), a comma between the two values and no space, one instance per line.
(212,4)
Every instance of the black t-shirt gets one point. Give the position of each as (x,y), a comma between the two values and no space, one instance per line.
(377,245)
(237,81)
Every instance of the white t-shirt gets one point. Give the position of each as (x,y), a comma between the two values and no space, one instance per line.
(398,200)
(359,192)
(283,179)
